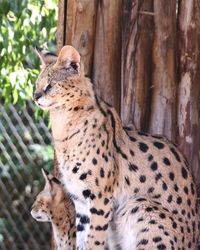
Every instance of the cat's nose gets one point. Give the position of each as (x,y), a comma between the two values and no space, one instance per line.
(37,95)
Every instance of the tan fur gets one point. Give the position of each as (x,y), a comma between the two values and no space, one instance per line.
(53,205)
(108,169)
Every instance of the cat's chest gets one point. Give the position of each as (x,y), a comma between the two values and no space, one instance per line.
(70,172)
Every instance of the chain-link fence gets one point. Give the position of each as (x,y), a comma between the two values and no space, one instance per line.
(25,147)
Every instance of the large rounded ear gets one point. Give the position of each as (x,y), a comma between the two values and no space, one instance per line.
(69,58)
(57,191)
(45,56)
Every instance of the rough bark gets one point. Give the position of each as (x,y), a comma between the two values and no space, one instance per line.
(107,59)
(61,26)
(189,87)
(163,102)
(137,33)
(80,29)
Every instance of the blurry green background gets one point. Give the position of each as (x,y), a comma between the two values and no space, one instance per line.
(25,140)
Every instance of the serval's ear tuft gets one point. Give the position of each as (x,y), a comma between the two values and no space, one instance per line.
(69,57)
(45,57)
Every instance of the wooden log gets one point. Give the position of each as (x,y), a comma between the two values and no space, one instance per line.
(163,101)
(137,34)
(80,29)
(107,51)
(189,87)
(61,26)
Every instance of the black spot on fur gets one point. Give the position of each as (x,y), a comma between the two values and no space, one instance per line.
(175,154)
(136,190)
(189,202)
(186,190)
(158,177)
(154,166)
(164,186)
(166,161)
(150,157)
(169,199)
(149,209)
(152,222)
(134,210)
(158,145)
(93,210)
(192,189)
(142,178)
(162,216)
(119,150)
(86,193)
(161,247)
(174,225)
(143,147)
(150,190)
(102,174)
(141,199)
(133,167)
(143,242)
(171,176)
(184,173)
(84,219)
(179,200)
(75,170)
(94,161)
(80,228)
(176,188)
(106,200)
(132,139)
(83,176)
(157,239)
(127,180)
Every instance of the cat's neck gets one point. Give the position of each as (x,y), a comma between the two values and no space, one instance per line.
(63,222)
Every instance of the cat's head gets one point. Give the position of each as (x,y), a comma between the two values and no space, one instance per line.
(60,81)
(48,199)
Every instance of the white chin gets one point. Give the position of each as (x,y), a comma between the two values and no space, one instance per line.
(44,104)
(39,216)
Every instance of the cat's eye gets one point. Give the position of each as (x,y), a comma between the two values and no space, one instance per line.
(74,65)
(47,88)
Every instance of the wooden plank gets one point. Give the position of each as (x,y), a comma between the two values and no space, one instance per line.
(189,87)
(163,101)
(60,34)
(80,29)
(137,34)
(107,51)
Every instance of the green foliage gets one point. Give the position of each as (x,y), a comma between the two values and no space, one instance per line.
(24,24)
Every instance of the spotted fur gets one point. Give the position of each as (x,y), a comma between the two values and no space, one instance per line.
(134,187)
(53,205)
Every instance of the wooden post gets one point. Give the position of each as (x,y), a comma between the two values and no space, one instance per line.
(80,29)
(107,58)
(163,100)
(189,84)
(137,34)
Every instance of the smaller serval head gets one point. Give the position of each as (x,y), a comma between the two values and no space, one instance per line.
(49,199)
(61,81)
